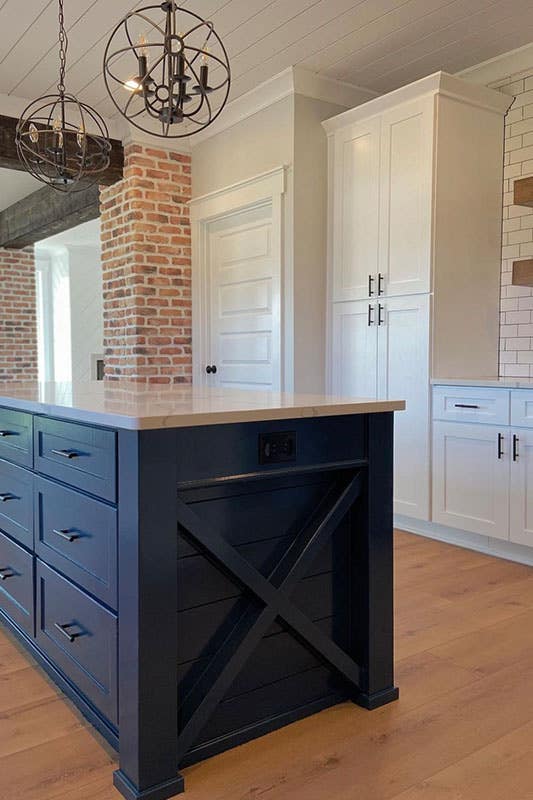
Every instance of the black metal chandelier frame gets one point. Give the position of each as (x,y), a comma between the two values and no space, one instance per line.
(163,84)
(54,138)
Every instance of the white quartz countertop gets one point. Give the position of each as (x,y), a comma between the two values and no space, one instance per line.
(136,406)
(502,383)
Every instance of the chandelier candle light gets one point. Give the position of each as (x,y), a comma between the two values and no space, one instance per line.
(55,139)
(167,71)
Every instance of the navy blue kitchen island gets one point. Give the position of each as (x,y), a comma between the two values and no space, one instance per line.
(197,567)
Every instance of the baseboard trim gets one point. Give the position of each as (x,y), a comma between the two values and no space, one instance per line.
(470,541)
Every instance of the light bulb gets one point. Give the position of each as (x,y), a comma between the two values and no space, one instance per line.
(81,137)
(34,134)
(57,128)
(141,46)
(133,85)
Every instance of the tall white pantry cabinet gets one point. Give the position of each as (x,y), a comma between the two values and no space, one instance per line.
(415,210)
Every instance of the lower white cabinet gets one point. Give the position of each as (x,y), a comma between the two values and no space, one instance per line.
(471,478)
(483,473)
(381,350)
(521,509)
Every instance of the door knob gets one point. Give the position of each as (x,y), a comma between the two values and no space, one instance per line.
(211,369)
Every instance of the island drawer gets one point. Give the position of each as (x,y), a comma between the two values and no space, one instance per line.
(77,535)
(471,404)
(16,440)
(16,584)
(522,408)
(79,455)
(80,637)
(16,503)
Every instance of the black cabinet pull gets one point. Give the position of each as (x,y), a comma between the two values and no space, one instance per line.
(380,314)
(516,441)
(370,312)
(63,630)
(6,433)
(211,369)
(465,405)
(381,281)
(65,453)
(6,573)
(500,446)
(66,534)
(371,280)
(6,496)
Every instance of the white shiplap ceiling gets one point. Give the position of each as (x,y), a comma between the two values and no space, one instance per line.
(378,44)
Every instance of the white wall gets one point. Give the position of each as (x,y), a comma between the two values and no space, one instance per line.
(86,310)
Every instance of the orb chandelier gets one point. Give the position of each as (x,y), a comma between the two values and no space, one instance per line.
(60,140)
(167,70)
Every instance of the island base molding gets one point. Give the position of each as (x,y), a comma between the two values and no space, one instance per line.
(470,541)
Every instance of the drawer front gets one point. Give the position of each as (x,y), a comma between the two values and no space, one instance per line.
(471,404)
(79,455)
(16,503)
(522,408)
(16,438)
(16,584)
(80,637)
(78,536)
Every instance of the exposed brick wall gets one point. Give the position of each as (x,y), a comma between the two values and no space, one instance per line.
(146,264)
(516,346)
(18,317)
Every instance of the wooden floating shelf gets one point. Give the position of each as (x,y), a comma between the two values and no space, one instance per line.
(523,272)
(523,192)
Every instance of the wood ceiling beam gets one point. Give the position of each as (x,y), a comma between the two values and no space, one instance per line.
(46,213)
(10,160)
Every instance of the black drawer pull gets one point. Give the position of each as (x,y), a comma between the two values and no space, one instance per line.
(465,405)
(7,433)
(65,453)
(66,534)
(63,629)
(6,573)
(7,496)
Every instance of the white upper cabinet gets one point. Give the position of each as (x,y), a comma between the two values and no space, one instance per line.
(405,198)
(356,216)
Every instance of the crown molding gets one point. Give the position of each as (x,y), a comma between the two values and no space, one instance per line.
(500,67)
(292,81)
(440,83)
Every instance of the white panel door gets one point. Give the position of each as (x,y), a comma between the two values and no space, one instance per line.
(354,350)
(471,477)
(245,335)
(406,198)
(522,486)
(403,374)
(356,210)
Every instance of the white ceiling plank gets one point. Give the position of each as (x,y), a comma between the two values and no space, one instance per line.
(451,34)
(16,18)
(466,41)
(257,65)
(386,47)
(406,23)
(37,41)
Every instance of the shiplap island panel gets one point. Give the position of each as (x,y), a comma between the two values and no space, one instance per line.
(195,568)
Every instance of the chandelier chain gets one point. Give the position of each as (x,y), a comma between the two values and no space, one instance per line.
(63,47)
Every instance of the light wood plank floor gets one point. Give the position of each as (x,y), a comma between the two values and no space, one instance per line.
(462,729)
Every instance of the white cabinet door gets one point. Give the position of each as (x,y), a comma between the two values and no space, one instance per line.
(406,197)
(471,477)
(355,209)
(403,374)
(354,350)
(245,328)
(522,487)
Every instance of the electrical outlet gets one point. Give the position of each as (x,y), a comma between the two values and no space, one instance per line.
(276,448)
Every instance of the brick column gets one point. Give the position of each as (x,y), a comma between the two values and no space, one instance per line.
(146,264)
(18,316)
